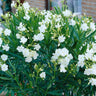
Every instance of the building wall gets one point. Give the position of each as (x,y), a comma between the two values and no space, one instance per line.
(41,4)
(89,7)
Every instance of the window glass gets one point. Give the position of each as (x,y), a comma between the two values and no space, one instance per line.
(55,3)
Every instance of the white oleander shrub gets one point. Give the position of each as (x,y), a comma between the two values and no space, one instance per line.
(47,53)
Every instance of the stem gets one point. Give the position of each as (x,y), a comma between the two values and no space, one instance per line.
(37,84)
(19,85)
(52,78)
(66,76)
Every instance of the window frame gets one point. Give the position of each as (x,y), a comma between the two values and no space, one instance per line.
(47,2)
(22,1)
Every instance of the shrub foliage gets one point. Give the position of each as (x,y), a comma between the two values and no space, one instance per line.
(47,53)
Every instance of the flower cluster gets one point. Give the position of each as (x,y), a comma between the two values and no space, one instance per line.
(63,58)
(4,58)
(89,56)
(5,47)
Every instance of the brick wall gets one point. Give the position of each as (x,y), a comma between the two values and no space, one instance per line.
(89,7)
(41,4)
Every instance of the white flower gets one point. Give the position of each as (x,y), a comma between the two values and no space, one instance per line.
(18,36)
(58,18)
(43,75)
(4,67)
(81,64)
(81,57)
(6,47)
(48,15)
(95,37)
(89,54)
(60,52)
(67,13)
(54,58)
(84,27)
(94,58)
(64,61)
(1,41)
(42,28)
(43,12)
(41,69)
(57,52)
(94,47)
(1,29)
(13,4)
(37,47)
(4,57)
(38,37)
(72,22)
(87,71)
(47,20)
(34,54)
(26,6)
(92,26)
(28,59)
(63,93)
(64,52)
(26,17)
(7,32)
(92,81)
(58,25)
(20,48)
(77,14)
(7,15)
(23,40)
(91,71)
(69,56)
(26,52)
(62,68)
(21,27)
(61,38)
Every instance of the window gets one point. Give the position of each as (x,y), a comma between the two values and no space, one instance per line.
(73,5)
(50,4)
(22,1)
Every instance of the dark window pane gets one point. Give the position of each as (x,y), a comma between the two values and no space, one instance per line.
(55,3)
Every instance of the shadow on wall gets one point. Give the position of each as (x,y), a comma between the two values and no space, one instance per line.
(75,5)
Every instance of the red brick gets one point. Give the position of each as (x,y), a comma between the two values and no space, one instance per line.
(89,7)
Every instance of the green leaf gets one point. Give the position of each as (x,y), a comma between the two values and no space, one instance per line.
(9,73)
(49,86)
(2,89)
(5,78)
(14,69)
(55,93)
(90,35)
(76,34)
(12,93)
(15,55)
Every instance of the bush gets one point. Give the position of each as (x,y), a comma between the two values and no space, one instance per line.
(47,53)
